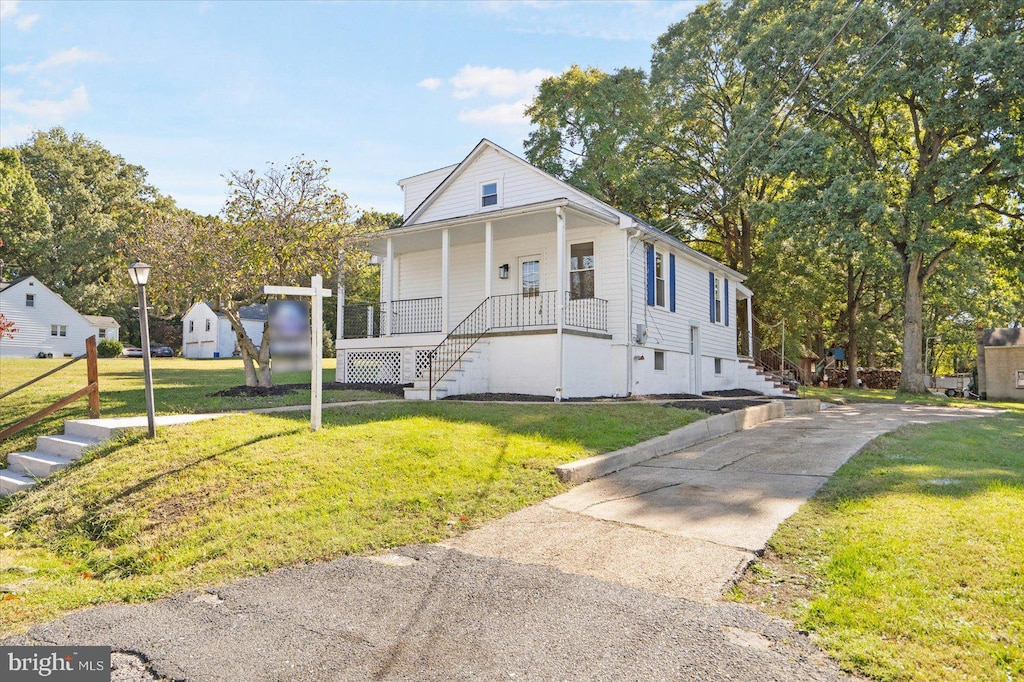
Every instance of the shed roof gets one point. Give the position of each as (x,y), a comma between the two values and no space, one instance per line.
(102,321)
(1003,337)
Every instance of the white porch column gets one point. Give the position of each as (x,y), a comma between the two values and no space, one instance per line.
(560,298)
(339,332)
(387,290)
(750,325)
(445,263)
(488,269)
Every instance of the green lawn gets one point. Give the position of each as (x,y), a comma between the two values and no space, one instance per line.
(180,385)
(217,500)
(909,563)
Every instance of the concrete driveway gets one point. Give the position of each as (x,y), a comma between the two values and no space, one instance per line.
(688,523)
(604,582)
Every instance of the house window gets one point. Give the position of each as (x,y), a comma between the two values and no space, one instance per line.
(1020,378)
(659,361)
(718,302)
(531,278)
(718,365)
(581,270)
(488,194)
(659,279)
(103,333)
(191,325)
(30,300)
(58,330)
(207,325)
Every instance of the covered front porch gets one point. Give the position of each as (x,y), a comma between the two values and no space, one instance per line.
(512,269)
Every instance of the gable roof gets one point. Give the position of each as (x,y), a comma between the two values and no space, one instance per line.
(4,286)
(102,321)
(626,219)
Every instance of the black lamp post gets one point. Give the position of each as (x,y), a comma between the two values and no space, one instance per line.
(139,272)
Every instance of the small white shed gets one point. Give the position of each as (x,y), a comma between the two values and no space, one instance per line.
(207,334)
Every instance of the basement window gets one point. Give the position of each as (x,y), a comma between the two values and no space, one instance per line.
(718,365)
(659,361)
(1020,378)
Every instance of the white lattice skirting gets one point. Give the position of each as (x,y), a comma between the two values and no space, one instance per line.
(373,367)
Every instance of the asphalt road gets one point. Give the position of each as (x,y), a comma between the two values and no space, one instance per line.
(432,613)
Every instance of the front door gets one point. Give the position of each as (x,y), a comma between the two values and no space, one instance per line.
(695,359)
(533,308)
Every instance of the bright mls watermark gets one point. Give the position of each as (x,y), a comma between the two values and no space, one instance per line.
(55,663)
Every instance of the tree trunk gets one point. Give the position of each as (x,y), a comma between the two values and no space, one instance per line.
(912,370)
(251,359)
(266,378)
(852,305)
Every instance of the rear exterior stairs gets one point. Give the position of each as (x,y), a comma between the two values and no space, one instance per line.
(753,376)
(53,453)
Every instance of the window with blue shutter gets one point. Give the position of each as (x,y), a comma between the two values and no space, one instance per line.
(726,303)
(672,282)
(650,274)
(711,295)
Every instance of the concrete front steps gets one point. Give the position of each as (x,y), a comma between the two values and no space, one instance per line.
(53,453)
(752,376)
(468,376)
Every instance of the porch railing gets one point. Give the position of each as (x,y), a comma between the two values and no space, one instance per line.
(415,315)
(510,311)
(362,321)
(586,313)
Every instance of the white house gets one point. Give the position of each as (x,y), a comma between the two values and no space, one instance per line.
(206,334)
(504,279)
(45,323)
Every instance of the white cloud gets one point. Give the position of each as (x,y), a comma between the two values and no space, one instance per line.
(472,81)
(506,114)
(430,83)
(44,112)
(70,57)
(9,9)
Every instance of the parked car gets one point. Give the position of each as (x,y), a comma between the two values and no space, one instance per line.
(161,352)
(131,352)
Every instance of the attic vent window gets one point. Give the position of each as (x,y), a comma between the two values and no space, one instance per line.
(489,194)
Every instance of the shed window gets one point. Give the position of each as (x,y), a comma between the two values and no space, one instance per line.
(659,361)
(1020,378)
(659,279)
(207,325)
(58,330)
(489,194)
(581,270)
(103,333)
(30,300)
(191,325)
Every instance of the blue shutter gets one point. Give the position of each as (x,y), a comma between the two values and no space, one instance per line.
(726,304)
(672,282)
(711,293)
(650,274)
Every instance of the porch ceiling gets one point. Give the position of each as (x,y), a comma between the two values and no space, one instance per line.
(505,224)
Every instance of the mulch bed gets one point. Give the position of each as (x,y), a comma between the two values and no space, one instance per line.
(285,389)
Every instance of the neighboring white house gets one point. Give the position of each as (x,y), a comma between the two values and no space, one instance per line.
(46,323)
(515,282)
(206,334)
(106,327)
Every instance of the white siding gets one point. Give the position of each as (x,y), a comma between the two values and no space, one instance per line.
(520,185)
(418,187)
(199,343)
(419,274)
(34,323)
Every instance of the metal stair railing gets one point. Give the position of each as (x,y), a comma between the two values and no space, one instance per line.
(464,336)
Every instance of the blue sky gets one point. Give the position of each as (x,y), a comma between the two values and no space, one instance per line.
(384,90)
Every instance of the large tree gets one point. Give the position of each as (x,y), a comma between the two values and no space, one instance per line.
(277,227)
(932,99)
(96,202)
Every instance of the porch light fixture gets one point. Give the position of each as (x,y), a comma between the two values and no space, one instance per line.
(503,271)
(139,273)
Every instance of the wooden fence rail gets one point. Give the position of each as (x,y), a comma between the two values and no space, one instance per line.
(92,390)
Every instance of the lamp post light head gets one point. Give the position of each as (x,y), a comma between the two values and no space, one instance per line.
(139,272)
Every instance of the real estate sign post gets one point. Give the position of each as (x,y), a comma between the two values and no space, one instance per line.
(317,294)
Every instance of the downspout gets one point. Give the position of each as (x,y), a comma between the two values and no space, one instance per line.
(629,316)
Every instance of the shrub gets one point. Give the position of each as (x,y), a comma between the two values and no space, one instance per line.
(108,348)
